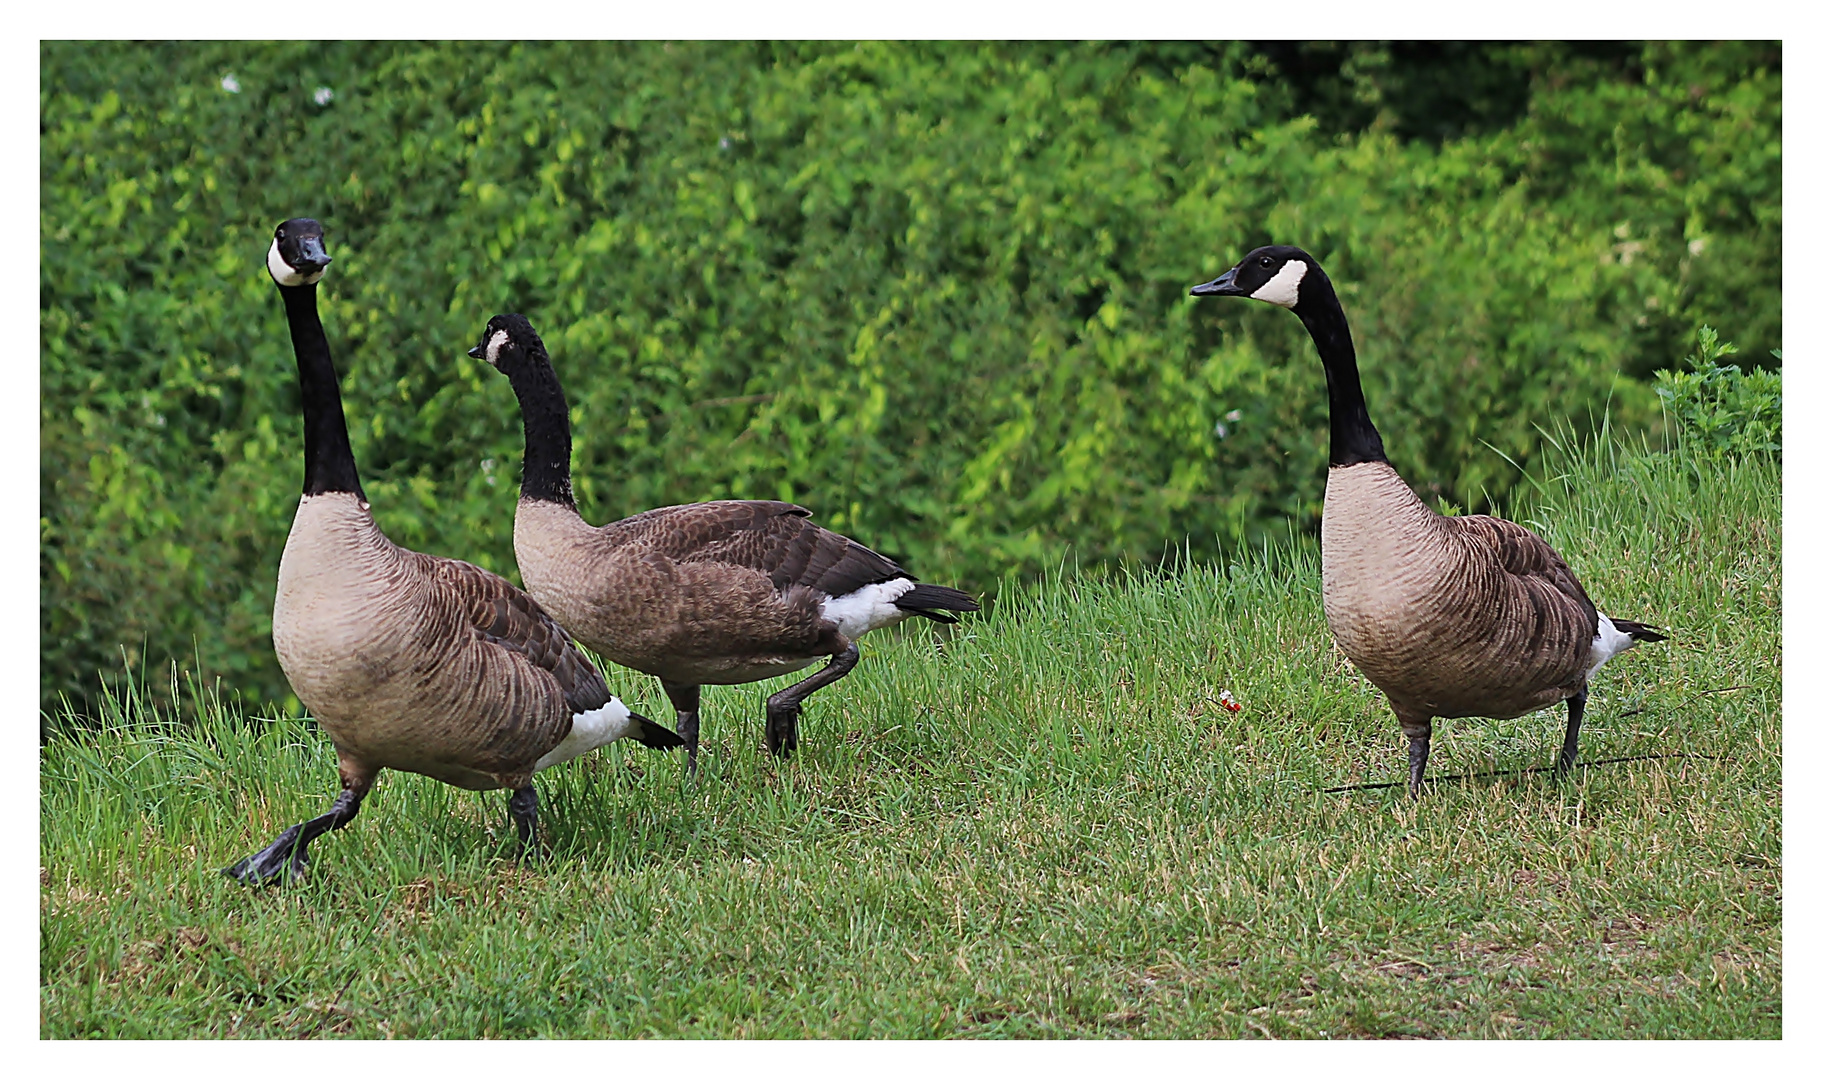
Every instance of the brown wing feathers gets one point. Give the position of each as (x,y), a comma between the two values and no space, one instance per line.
(1534,563)
(774,538)
(1534,608)
(803,553)
(511,619)
(780,540)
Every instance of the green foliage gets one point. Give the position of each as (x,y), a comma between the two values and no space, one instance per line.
(1719,409)
(1429,90)
(1043,825)
(936,292)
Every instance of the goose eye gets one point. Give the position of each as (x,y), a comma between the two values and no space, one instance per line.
(281,234)
(1265,260)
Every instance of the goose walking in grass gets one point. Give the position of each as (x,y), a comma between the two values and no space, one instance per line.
(410,661)
(1449,616)
(718,593)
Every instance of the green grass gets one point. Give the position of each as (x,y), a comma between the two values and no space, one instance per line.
(1042,826)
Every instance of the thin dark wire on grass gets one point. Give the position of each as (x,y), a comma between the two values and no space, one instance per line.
(1552,768)
(337,1000)
(354,968)
(1703,693)
(1522,772)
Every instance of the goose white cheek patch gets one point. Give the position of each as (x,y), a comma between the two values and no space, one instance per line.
(1282,288)
(494,345)
(282,271)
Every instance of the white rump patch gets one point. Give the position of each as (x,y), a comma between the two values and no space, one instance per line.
(283,272)
(494,345)
(592,730)
(1608,643)
(1282,288)
(868,607)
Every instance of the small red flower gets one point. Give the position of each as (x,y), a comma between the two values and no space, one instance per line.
(1228,702)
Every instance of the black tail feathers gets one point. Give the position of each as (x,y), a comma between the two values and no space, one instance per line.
(653,734)
(931,601)
(1639,631)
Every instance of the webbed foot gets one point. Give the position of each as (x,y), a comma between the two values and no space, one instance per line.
(287,857)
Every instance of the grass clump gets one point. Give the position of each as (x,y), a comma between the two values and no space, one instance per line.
(1718,409)
(1043,825)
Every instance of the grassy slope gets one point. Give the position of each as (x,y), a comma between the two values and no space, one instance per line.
(1045,826)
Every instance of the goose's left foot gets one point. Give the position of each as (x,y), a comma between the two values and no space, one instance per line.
(287,857)
(783,708)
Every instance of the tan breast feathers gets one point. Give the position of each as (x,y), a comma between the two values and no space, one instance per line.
(385,654)
(1383,556)
(334,614)
(562,560)
(1427,609)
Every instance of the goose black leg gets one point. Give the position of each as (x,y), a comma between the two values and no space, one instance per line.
(1566,760)
(523,806)
(1420,757)
(687,702)
(287,856)
(1417,730)
(783,708)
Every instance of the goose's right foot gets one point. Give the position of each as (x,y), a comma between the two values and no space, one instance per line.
(781,727)
(689,727)
(523,807)
(1416,728)
(1420,757)
(287,857)
(783,708)
(1566,760)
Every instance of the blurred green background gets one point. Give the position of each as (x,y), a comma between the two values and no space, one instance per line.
(935,292)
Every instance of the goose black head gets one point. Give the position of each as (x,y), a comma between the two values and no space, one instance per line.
(297,256)
(1273,274)
(508,343)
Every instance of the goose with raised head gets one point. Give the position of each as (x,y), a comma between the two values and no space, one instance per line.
(1449,616)
(410,661)
(719,593)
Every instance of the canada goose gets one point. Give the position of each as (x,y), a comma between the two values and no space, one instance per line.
(722,592)
(1450,616)
(410,661)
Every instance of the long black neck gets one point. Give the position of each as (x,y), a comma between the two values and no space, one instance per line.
(1352,437)
(328,459)
(546,414)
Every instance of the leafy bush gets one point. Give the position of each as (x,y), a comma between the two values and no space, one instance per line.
(937,292)
(1717,408)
